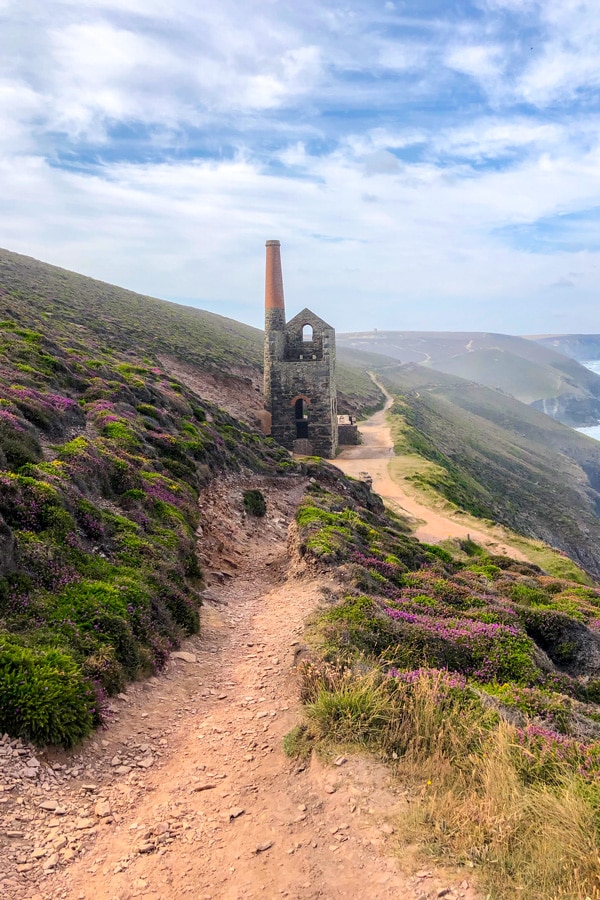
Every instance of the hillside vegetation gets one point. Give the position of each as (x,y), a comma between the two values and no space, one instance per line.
(102,457)
(532,372)
(476,677)
(499,459)
(101,462)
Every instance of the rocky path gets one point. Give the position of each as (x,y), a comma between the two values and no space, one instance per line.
(188,793)
(373,457)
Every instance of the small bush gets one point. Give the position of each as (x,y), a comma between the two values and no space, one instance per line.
(255,503)
(43,696)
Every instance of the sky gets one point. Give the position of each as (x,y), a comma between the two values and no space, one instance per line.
(426,164)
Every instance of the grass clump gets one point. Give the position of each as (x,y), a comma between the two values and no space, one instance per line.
(537,840)
(345,708)
(299,742)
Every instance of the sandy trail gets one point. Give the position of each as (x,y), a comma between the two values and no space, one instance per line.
(374,455)
(222,812)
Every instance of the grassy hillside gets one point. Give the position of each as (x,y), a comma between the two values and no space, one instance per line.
(475,677)
(102,457)
(499,459)
(65,304)
(528,371)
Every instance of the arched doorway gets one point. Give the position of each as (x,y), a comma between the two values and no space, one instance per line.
(301,417)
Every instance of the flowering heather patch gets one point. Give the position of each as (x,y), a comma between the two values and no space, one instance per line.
(446,679)
(53,401)
(542,754)
(157,487)
(26,503)
(485,650)
(11,420)
(484,623)
(98,406)
(389,571)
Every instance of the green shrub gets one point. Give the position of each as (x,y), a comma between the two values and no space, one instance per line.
(43,696)
(184,611)
(103,667)
(354,626)
(19,447)
(255,503)
(438,552)
(121,432)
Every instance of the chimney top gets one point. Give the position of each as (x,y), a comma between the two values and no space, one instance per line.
(274,278)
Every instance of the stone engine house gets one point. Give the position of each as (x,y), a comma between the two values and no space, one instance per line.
(300,390)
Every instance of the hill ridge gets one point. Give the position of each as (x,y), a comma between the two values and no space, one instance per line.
(530,371)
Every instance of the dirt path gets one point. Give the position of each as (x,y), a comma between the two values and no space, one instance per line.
(188,793)
(374,455)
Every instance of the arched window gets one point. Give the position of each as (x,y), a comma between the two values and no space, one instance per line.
(307,333)
(299,407)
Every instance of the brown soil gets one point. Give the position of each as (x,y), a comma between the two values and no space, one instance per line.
(238,391)
(188,792)
(373,457)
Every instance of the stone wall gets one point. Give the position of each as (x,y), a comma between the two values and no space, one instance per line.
(348,434)
(274,347)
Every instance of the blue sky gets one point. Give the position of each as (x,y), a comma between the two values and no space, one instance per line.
(426,164)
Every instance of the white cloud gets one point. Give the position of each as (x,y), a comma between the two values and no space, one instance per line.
(559,74)
(425,234)
(564,48)
(403,55)
(483,62)
(497,137)
(319,124)
(94,70)
(19,106)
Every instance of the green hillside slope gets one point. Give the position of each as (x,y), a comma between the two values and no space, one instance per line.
(500,459)
(528,371)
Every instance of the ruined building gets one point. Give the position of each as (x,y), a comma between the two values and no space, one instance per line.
(300,390)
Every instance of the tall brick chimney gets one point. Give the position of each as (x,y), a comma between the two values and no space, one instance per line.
(274,302)
(274,314)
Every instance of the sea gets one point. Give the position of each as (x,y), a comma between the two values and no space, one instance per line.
(593,430)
